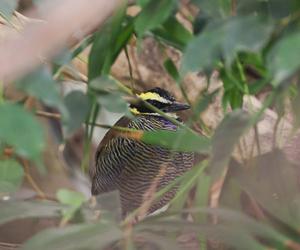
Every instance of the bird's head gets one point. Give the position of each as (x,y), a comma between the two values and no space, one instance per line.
(160,99)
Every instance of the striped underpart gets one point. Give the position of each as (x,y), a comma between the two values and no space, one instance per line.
(131,166)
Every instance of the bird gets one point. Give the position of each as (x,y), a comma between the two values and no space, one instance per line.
(133,167)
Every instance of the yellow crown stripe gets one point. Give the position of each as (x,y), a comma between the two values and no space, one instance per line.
(152,96)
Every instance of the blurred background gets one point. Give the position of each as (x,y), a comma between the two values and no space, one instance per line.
(67,69)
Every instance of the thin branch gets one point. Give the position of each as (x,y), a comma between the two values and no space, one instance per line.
(31,181)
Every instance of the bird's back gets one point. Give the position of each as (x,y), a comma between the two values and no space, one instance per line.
(135,168)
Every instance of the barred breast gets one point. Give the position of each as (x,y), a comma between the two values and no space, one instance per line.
(133,167)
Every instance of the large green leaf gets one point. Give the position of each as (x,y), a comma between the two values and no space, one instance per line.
(83,236)
(283,60)
(11,175)
(21,130)
(181,140)
(78,106)
(153,14)
(225,40)
(225,137)
(7,7)
(108,42)
(41,85)
(12,210)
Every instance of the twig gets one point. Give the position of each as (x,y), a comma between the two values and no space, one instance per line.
(31,181)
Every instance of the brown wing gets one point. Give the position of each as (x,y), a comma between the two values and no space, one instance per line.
(111,134)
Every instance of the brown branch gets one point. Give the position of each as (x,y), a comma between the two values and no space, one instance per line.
(31,181)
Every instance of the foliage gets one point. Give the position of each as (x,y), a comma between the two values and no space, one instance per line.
(238,39)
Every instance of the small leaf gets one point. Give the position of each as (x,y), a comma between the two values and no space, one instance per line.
(41,85)
(154,14)
(225,40)
(12,210)
(108,94)
(71,198)
(11,176)
(21,130)
(181,140)
(7,7)
(225,137)
(78,106)
(75,237)
(283,60)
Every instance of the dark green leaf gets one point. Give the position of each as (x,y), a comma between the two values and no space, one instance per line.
(12,210)
(7,7)
(171,69)
(103,52)
(283,60)
(225,137)
(221,8)
(41,85)
(173,33)
(154,14)
(83,236)
(225,40)
(21,130)
(78,106)
(182,140)
(11,176)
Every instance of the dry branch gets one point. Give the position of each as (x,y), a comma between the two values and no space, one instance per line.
(65,23)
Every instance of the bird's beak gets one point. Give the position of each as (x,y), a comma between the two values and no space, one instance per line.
(177,106)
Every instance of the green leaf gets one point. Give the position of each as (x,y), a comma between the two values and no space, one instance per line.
(171,69)
(220,8)
(283,60)
(225,40)
(78,106)
(188,182)
(154,14)
(83,236)
(108,94)
(7,7)
(11,176)
(225,137)
(173,33)
(41,85)
(12,210)
(69,197)
(21,130)
(104,50)
(181,140)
